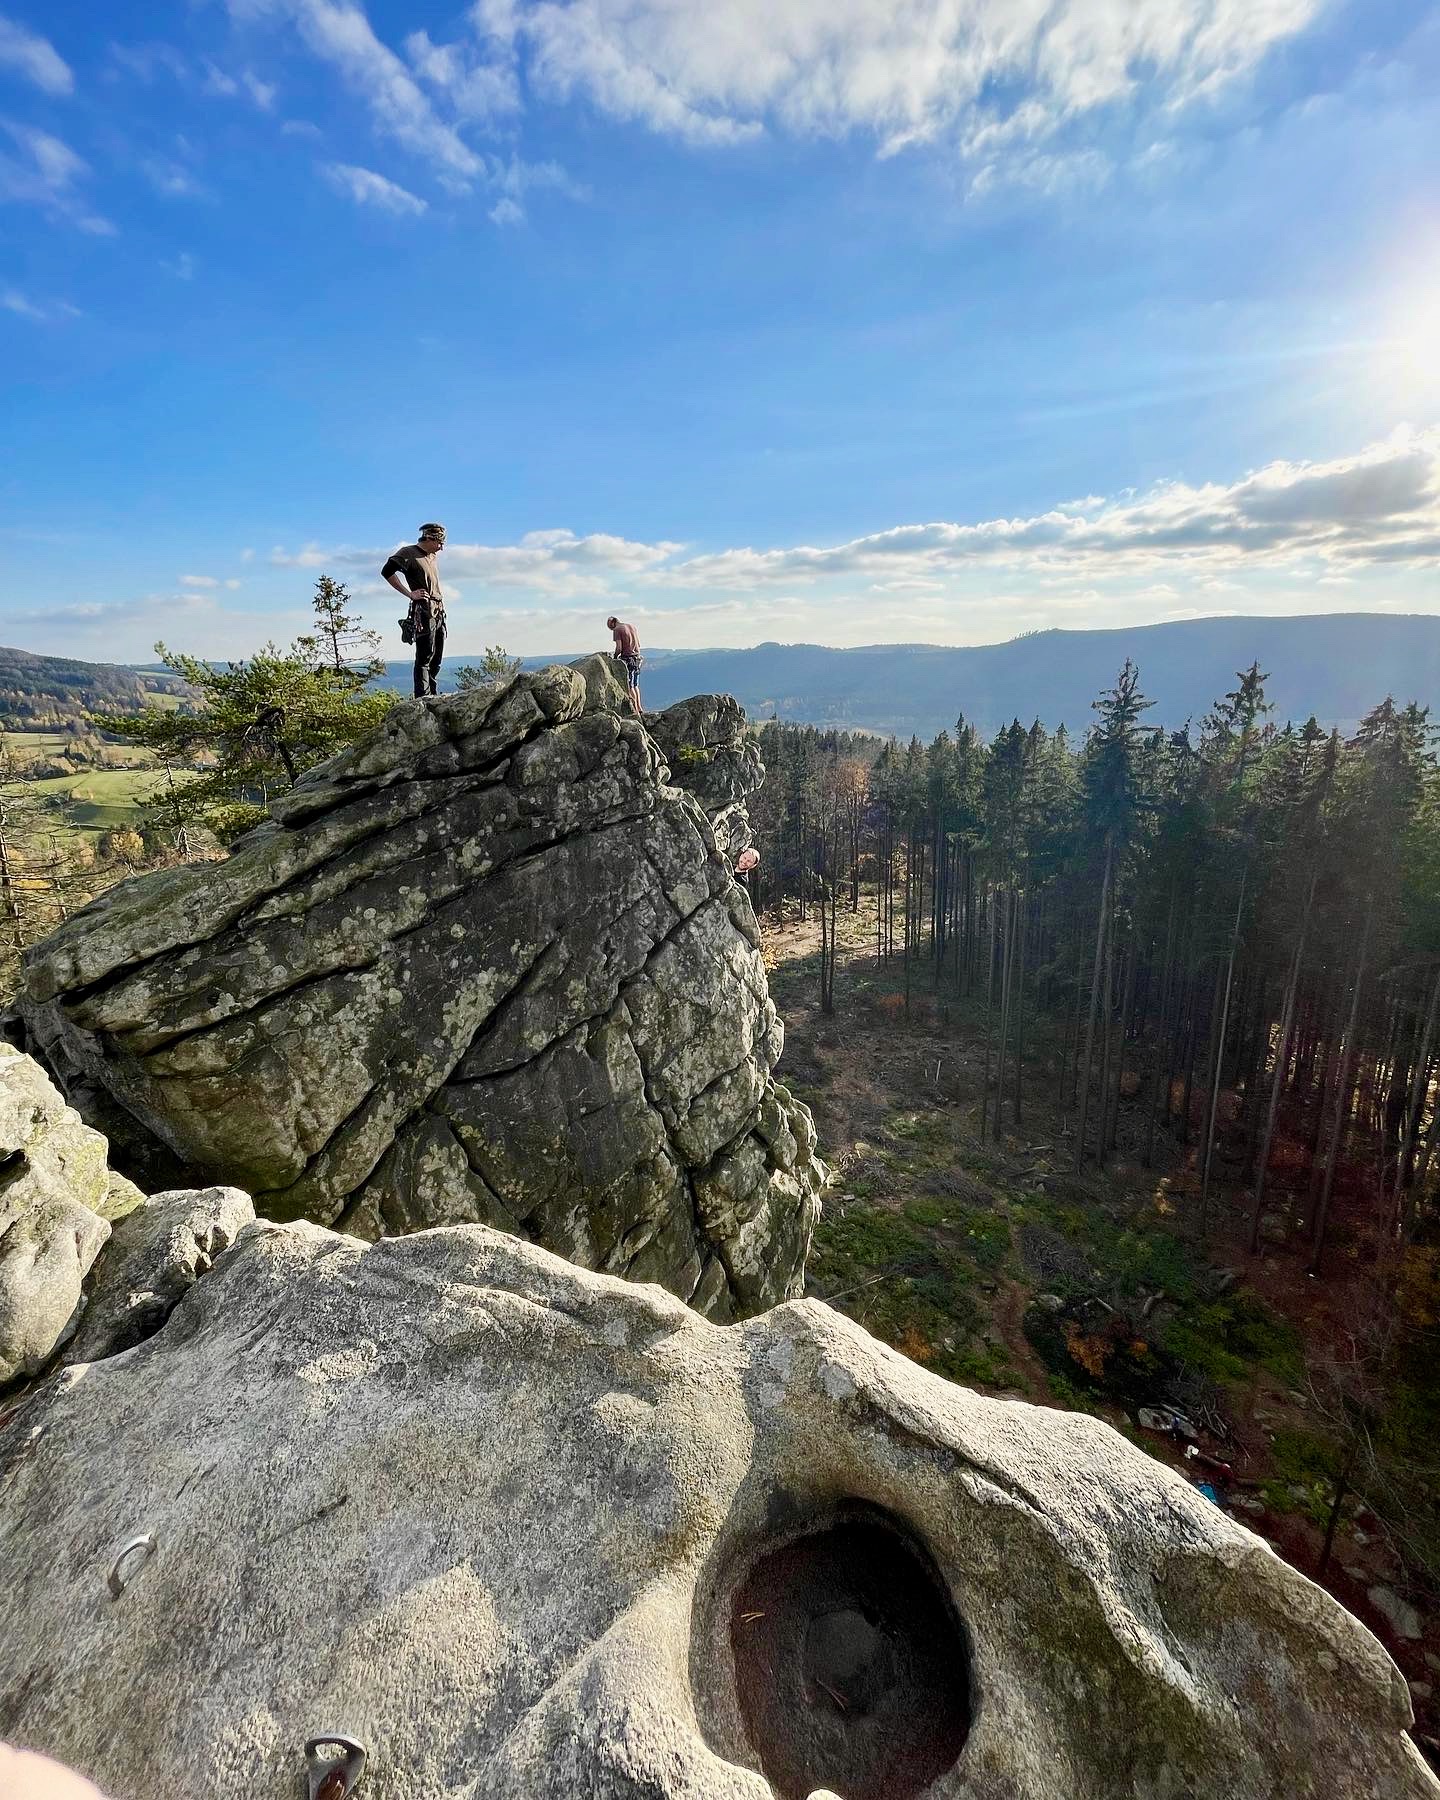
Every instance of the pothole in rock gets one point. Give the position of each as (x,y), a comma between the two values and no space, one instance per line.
(851,1665)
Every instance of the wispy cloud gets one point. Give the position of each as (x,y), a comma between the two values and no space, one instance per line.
(154,610)
(47,173)
(148,62)
(182,267)
(996,74)
(480,88)
(340,34)
(507,212)
(41,313)
(35,57)
(422,105)
(366,188)
(246,84)
(172,180)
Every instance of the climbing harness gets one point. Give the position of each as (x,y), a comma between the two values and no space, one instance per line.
(328,1777)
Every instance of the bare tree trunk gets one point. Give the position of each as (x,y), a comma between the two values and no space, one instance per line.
(1282,1059)
(1220,1056)
(989,1004)
(1094,1007)
(1342,1093)
(1022,909)
(1415,1104)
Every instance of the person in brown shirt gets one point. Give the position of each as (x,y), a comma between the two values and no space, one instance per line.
(627,651)
(421,587)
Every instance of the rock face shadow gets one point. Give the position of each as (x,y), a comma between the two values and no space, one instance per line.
(851,1666)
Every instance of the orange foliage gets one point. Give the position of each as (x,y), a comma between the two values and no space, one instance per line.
(913,1344)
(1089,1352)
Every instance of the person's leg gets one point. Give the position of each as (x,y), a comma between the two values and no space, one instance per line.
(422,656)
(437,655)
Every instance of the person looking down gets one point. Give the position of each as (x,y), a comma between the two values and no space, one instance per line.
(627,651)
(421,587)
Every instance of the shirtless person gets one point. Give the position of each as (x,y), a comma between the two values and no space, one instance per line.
(627,651)
(421,587)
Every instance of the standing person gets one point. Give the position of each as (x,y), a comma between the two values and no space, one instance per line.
(627,651)
(421,587)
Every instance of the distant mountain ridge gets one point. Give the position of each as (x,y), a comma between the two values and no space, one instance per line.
(1334,665)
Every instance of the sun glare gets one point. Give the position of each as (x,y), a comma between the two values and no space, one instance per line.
(1412,345)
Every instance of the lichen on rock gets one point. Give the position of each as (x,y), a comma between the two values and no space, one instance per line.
(489,966)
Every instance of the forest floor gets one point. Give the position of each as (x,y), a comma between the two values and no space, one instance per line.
(993,1263)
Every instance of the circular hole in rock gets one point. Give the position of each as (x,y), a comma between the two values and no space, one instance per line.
(851,1666)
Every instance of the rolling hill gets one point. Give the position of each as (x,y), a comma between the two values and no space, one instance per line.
(1335,665)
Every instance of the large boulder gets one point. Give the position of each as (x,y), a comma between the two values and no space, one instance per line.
(154,1257)
(524,1530)
(57,1196)
(488,966)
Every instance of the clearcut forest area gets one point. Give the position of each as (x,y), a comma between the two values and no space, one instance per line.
(1026,984)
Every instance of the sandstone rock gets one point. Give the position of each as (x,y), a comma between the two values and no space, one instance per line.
(487,966)
(154,1257)
(1404,1620)
(56,1192)
(709,756)
(525,1530)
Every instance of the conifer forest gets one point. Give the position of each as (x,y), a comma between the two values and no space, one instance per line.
(1211,952)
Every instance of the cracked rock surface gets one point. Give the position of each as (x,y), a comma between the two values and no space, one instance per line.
(57,1198)
(526,1530)
(489,966)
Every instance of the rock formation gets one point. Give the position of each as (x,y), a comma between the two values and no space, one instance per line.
(525,1530)
(488,966)
(57,1196)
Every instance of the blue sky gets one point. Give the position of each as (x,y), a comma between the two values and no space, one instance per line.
(837,320)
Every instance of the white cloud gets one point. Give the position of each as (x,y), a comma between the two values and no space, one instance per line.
(227,86)
(149,609)
(1381,505)
(14,301)
(906,71)
(473,88)
(147,62)
(36,58)
(172,181)
(1287,523)
(340,34)
(198,581)
(182,267)
(48,174)
(366,188)
(507,212)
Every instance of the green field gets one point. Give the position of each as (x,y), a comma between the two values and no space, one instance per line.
(26,744)
(96,800)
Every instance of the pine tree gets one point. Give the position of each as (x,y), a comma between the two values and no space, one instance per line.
(339,641)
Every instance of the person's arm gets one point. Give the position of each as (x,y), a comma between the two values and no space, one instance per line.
(391,574)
